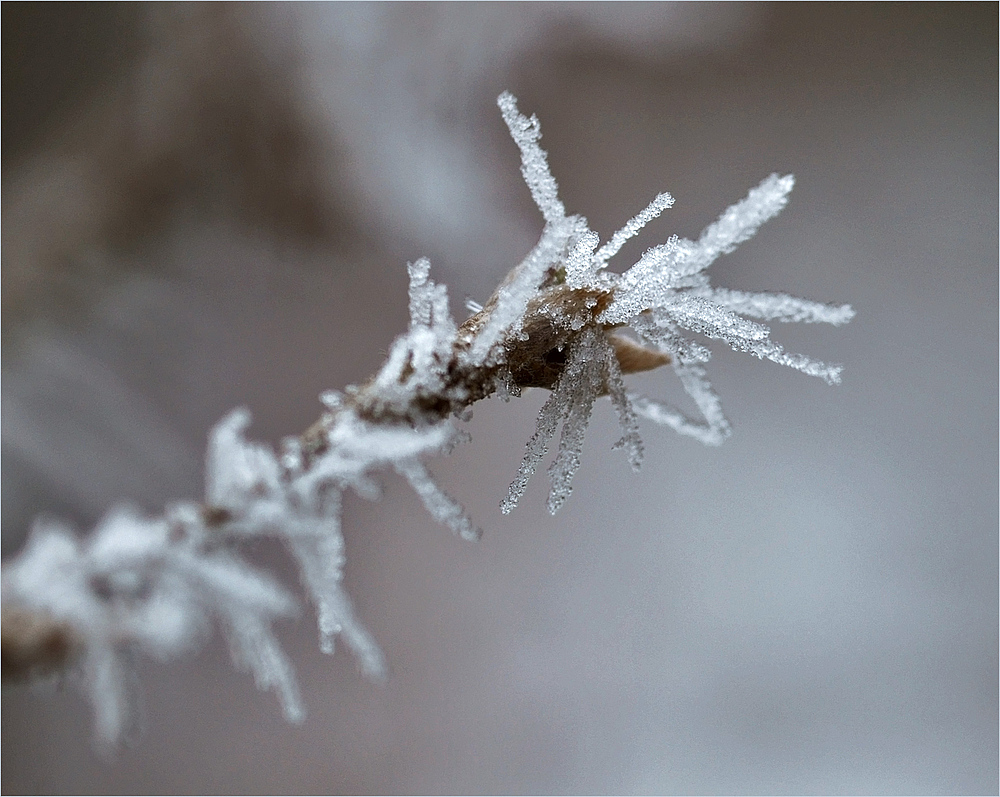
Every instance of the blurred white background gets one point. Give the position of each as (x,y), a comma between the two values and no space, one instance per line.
(207,206)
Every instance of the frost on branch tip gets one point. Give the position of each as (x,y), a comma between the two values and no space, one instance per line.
(662,298)
(560,320)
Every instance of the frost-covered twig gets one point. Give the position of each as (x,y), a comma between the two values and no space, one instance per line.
(560,320)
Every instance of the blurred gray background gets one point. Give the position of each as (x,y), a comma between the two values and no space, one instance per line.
(207,206)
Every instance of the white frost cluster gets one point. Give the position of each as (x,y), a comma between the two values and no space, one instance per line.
(154,586)
(150,586)
(591,365)
(663,296)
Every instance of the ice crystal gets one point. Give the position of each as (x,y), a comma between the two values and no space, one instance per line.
(153,586)
(662,296)
(534,161)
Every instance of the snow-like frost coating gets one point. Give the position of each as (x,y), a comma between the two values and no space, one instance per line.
(148,586)
(153,586)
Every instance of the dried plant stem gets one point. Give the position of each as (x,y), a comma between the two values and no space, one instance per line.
(36,645)
(560,320)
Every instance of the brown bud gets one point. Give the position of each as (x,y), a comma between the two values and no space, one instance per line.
(634,357)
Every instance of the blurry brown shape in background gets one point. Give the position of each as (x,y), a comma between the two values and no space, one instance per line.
(33,644)
(120,119)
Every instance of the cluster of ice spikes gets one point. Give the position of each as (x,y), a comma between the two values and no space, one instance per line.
(153,586)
